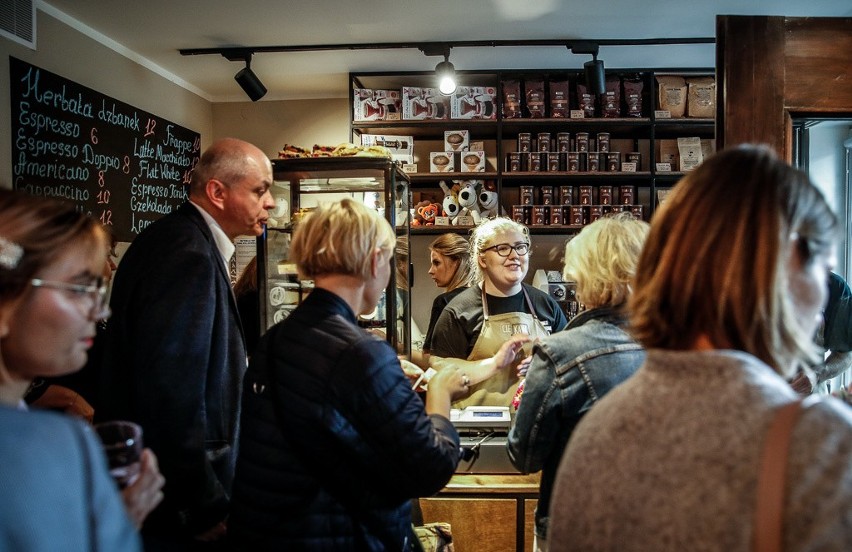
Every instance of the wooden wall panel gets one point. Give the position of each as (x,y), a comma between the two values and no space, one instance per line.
(818,60)
(750,65)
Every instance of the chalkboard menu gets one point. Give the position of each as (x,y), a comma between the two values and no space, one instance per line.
(117,163)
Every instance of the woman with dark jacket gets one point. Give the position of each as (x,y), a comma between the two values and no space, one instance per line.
(334,442)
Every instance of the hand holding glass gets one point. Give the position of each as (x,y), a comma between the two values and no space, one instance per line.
(122,443)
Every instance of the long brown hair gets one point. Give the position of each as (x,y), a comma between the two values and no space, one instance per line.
(714,263)
(455,247)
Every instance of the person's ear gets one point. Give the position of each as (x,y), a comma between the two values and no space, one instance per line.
(480,260)
(375,259)
(216,193)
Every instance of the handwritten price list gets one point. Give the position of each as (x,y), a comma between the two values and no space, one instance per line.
(119,164)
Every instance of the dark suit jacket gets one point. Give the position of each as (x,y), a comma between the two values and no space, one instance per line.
(55,488)
(174,357)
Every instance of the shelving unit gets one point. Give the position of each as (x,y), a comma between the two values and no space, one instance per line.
(638,134)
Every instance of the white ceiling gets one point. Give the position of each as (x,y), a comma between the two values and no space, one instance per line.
(152,31)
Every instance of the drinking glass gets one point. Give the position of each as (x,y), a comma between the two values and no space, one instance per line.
(122,442)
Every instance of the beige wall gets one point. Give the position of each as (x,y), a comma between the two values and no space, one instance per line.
(270,125)
(71,54)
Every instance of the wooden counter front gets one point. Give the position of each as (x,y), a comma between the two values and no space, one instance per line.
(487,512)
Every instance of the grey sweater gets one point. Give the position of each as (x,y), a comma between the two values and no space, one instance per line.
(669,461)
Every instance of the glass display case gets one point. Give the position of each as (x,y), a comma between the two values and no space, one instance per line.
(302,184)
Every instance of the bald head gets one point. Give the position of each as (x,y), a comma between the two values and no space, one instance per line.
(225,160)
(231,182)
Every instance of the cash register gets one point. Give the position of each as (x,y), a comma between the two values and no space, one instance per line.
(483,431)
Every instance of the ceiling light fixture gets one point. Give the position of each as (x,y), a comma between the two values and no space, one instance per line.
(444,71)
(248,81)
(446,74)
(594,69)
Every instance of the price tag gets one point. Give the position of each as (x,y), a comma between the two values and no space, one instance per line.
(577,114)
(660,114)
(664,167)
(628,167)
(442,221)
(409,168)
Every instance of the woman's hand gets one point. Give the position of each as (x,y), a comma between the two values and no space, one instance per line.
(510,351)
(146,492)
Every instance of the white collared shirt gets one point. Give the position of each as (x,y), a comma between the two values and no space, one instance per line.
(223,243)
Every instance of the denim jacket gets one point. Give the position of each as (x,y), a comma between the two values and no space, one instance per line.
(570,371)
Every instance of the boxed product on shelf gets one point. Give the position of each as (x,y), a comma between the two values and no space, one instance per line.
(635,158)
(701,97)
(563,141)
(442,161)
(547,195)
(573,161)
(534,161)
(671,94)
(593,161)
(543,142)
(566,195)
(513,161)
(424,103)
(524,141)
(456,140)
(626,195)
(401,147)
(556,215)
(527,195)
(582,141)
(613,161)
(472,161)
(540,215)
(603,142)
(554,161)
(376,105)
(585,195)
(605,195)
(473,102)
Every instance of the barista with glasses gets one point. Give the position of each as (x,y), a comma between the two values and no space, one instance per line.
(499,310)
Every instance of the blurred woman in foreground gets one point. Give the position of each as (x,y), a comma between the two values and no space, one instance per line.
(727,298)
(55,484)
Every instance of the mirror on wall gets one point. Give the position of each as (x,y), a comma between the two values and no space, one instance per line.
(822,147)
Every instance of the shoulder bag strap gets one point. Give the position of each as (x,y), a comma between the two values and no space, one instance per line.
(771,479)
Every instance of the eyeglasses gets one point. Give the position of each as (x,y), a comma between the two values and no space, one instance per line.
(96,291)
(504,249)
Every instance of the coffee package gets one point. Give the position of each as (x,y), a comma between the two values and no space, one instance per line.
(585,100)
(632,95)
(611,98)
(671,95)
(512,99)
(701,94)
(559,99)
(534,94)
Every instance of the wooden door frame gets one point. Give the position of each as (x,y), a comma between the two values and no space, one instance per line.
(769,69)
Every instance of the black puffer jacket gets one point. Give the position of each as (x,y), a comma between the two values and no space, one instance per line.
(334,441)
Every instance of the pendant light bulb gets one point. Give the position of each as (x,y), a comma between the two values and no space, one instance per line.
(446,74)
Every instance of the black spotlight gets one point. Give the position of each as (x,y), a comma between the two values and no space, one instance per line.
(595,79)
(249,82)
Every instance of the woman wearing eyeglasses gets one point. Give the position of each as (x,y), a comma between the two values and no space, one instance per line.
(485,317)
(51,297)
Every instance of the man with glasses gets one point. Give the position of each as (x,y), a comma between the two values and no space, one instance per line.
(175,353)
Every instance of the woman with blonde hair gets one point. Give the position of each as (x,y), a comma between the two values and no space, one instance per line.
(726,300)
(571,370)
(334,442)
(486,325)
